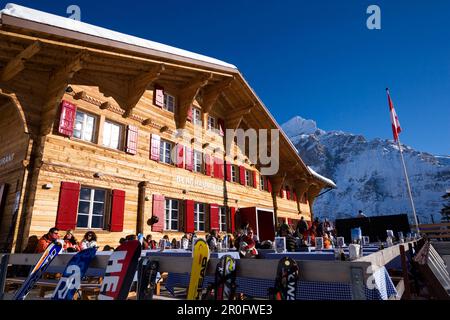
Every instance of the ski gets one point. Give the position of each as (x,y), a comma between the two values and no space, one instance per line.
(147,272)
(120,271)
(71,278)
(286,280)
(225,279)
(199,264)
(41,266)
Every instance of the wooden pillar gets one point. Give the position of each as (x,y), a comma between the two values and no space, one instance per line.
(313,192)
(277,183)
(141,207)
(301,186)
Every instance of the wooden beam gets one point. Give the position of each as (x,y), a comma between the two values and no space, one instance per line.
(187,96)
(17,64)
(56,87)
(212,93)
(240,112)
(137,87)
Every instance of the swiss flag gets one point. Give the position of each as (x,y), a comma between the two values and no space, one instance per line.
(396,129)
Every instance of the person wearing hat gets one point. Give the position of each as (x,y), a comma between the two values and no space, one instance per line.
(70,243)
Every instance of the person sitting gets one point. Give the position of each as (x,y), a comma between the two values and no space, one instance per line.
(291,242)
(47,239)
(149,243)
(211,240)
(131,237)
(174,244)
(247,246)
(327,242)
(312,235)
(70,243)
(89,240)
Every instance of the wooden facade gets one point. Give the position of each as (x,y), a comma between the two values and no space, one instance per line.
(44,69)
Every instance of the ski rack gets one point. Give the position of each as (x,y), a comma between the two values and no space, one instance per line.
(356,273)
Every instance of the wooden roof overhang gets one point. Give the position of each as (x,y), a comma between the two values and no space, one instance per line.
(58,57)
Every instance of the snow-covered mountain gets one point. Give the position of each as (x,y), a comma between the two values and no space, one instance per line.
(369,174)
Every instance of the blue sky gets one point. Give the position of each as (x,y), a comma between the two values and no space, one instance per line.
(316,59)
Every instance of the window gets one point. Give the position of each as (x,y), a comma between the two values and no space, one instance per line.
(198,161)
(211,123)
(199,216)
(84,126)
(248,180)
(262,185)
(234,174)
(112,134)
(197,116)
(171,215)
(223,219)
(165,152)
(91,208)
(169,102)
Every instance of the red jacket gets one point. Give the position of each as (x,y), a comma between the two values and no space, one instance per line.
(43,243)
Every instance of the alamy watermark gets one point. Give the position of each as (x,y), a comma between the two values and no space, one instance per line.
(74,12)
(374,20)
(260,147)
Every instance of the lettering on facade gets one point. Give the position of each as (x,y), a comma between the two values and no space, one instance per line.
(198,183)
(6,159)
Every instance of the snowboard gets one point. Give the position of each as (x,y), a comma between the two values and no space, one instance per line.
(120,271)
(41,266)
(286,280)
(72,275)
(199,264)
(147,271)
(224,286)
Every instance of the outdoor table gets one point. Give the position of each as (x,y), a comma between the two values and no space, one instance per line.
(301,255)
(187,253)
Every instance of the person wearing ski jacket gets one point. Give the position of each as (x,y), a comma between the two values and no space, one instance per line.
(70,243)
(47,239)
(291,242)
(247,247)
(89,240)
(302,227)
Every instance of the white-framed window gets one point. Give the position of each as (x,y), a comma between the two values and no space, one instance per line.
(171,215)
(199,216)
(84,126)
(211,123)
(197,116)
(91,208)
(248,180)
(198,161)
(223,219)
(169,102)
(262,185)
(234,173)
(165,152)
(112,135)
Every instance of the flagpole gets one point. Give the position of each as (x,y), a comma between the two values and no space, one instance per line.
(408,185)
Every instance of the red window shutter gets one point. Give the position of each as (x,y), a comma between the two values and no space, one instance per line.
(255,179)
(232,219)
(189,216)
(132,139)
(288,193)
(117,210)
(218,168)
(158,96)
(228,167)
(189,159)
(158,210)
(214,217)
(294,193)
(180,155)
(66,218)
(221,124)
(189,115)
(155,147)
(207,165)
(269,185)
(242,175)
(67,118)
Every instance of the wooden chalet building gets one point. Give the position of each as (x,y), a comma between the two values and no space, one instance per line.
(88,118)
